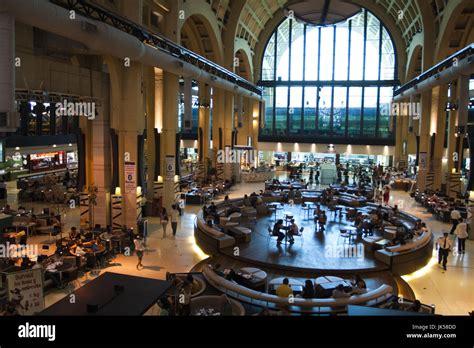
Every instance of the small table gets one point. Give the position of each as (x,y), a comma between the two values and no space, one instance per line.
(252,278)
(275,205)
(325,289)
(352,232)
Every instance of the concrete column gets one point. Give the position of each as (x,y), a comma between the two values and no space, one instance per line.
(228,123)
(401,138)
(150,134)
(439,122)
(7,63)
(168,133)
(424,128)
(204,122)
(246,130)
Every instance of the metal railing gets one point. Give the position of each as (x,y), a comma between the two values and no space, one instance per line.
(101,14)
(436,69)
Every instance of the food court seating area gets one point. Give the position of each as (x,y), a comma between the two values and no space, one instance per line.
(440,205)
(373,297)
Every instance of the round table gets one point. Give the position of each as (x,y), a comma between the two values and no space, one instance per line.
(255,273)
(352,232)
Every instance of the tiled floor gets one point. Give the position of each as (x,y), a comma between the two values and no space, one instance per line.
(451,291)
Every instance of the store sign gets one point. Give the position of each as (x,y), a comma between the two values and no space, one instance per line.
(25,290)
(170,170)
(130,178)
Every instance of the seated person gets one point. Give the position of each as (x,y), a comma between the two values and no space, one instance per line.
(79,250)
(54,220)
(73,234)
(212,209)
(277,231)
(308,290)
(21,210)
(293,230)
(8,210)
(322,221)
(339,292)
(284,290)
(359,286)
(247,201)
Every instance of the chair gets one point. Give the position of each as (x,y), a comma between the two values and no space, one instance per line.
(343,234)
(305,210)
(270,234)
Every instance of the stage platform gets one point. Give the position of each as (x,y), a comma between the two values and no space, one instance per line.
(315,252)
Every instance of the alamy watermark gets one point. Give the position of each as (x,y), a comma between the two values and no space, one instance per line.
(86,109)
(236,156)
(344,251)
(18,250)
(410,109)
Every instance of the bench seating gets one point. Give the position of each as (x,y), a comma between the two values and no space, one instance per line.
(211,235)
(317,305)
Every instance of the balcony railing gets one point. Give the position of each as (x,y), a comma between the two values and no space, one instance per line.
(436,69)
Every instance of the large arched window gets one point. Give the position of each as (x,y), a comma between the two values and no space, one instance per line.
(330,83)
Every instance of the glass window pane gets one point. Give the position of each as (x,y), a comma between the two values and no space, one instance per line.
(342,47)
(385,129)
(268,68)
(372,48)
(387,65)
(324,116)
(312,38)
(370,111)
(355,106)
(339,111)
(357,47)
(297,49)
(294,111)
(327,43)
(268,96)
(281,110)
(283,51)
(309,110)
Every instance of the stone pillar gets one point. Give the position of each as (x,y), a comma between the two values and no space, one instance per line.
(439,120)
(228,123)
(204,123)
(401,138)
(424,153)
(150,135)
(7,63)
(168,134)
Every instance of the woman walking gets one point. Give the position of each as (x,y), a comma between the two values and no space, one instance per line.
(386,194)
(139,249)
(174,218)
(164,220)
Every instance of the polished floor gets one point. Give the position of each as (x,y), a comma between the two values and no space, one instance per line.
(314,251)
(451,291)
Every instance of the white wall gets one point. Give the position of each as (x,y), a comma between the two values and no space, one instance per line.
(323,148)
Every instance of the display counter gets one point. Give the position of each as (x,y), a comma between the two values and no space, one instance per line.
(256,176)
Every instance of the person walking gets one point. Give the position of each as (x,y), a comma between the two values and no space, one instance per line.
(164,220)
(139,249)
(444,245)
(386,194)
(461,234)
(174,218)
(455,217)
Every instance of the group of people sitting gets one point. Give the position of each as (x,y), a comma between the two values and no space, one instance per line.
(290,231)
(310,290)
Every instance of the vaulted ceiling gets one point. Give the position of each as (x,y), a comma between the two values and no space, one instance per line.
(405,13)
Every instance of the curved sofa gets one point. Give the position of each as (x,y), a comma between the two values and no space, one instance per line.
(316,306)
(402,259)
